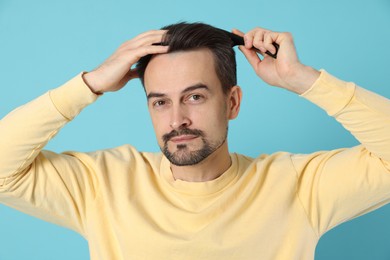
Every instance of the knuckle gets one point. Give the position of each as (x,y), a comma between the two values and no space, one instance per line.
(122,46)
(126,45)
(288,35)
(153,31)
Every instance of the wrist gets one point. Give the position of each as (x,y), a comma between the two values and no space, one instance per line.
(89,80)
(302,79)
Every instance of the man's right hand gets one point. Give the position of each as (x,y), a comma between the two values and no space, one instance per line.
(116,71)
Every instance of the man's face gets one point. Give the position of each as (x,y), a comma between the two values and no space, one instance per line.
(188,108)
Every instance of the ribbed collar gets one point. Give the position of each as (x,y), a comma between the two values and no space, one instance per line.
(199,188)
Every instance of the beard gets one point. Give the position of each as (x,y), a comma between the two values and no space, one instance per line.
(183,156)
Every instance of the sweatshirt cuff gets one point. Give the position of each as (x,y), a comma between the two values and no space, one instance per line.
(72,97)
(330,93)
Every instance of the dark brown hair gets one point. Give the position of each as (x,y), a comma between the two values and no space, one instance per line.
(189,36)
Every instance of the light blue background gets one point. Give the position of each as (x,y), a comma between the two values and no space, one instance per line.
(45,43)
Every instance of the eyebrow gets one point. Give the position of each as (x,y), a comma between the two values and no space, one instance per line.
(188,89)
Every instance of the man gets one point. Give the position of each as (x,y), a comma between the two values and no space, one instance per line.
(195,200)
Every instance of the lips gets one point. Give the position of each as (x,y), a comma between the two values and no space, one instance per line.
(182,135)
(183,138)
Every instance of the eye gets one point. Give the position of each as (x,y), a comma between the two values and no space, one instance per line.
(159,103)
(195,97)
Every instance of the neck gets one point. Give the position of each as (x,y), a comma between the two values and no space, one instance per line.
(209,169)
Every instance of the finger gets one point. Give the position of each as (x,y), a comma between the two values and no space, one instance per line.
(248,40)
(146,40)
(242,34)
(132,74)
(249,36)
(238,32)
(251,56)
(269,39)
(161,32)
(154,36)
(258,41)
(147,50)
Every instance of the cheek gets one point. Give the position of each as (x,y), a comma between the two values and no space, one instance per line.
(160,124)
(213,120)
(219,113)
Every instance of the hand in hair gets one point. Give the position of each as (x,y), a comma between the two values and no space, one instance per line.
(116,71)
(286,71)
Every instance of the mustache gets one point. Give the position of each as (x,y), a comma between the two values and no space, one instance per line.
(184,131)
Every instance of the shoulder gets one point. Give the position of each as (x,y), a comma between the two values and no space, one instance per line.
(124,154)
(278,162)
(263,158)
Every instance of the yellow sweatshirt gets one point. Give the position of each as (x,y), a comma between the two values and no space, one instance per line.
(128,206)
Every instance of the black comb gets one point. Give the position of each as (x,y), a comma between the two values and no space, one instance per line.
(238,40)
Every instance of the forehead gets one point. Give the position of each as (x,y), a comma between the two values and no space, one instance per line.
(173,72)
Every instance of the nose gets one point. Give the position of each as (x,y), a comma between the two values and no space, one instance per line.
(179,118)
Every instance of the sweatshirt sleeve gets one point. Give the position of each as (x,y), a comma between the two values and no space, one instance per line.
(43,183)
(336,186)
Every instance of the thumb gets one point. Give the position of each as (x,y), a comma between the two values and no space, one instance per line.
(132,74)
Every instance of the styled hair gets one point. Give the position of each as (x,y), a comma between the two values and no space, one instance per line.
(189,36)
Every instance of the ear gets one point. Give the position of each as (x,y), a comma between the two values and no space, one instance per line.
(234,102)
